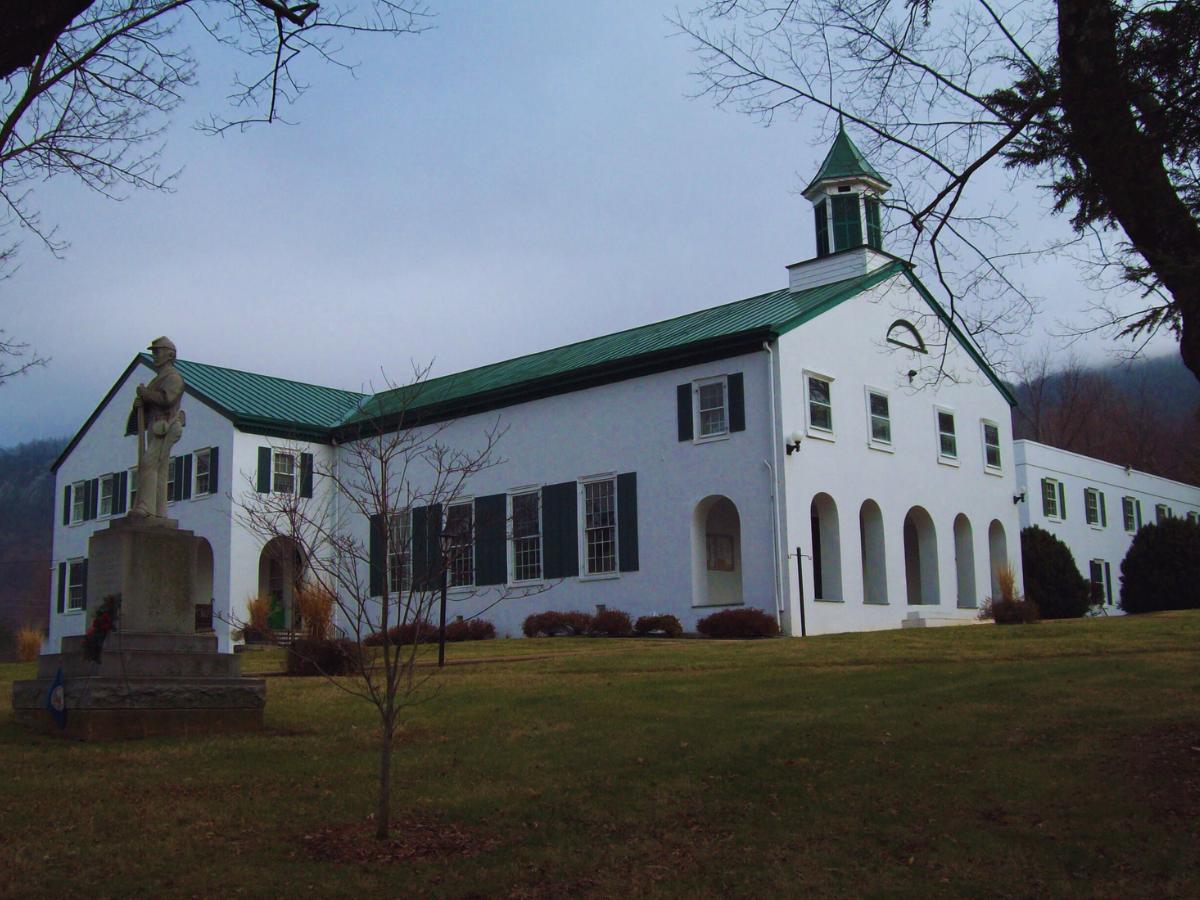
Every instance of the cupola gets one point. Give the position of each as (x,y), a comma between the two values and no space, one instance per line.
(845,197)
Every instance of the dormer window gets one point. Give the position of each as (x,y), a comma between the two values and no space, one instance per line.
(847,222)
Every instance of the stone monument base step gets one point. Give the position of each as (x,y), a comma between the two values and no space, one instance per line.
(122,724)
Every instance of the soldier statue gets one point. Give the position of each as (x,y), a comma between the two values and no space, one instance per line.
(160,425)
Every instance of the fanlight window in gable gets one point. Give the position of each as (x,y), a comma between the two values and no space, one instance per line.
(903,334)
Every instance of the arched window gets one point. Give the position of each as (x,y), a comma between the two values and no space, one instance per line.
(903,334)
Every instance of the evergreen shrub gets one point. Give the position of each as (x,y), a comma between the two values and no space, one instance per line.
(1162,568)
(746,622)
(1052,580)
(611,623)
(668,626)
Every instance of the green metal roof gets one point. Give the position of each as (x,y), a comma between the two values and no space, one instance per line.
(265,402)
(844,160)
(769,314)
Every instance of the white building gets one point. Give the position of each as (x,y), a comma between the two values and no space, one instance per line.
(1095,508)
(796,451)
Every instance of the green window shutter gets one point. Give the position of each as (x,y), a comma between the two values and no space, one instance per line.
(185,488)
(67,505)
(427,547)
(306,474)
(213,468)
(683,410)
(91,491)
(560,530)
(62,584)
(1103,511)
(1137,507)
(821,217)
(737,402)
(1045,499)
(627,522)
(377,554)
(263,485)
(874,228)
(85,583)
(847,226)
(1108,583)
(1062,501)
(491,540)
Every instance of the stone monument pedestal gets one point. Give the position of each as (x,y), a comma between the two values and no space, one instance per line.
(156,676)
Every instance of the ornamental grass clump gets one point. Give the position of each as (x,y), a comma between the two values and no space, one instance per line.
(1010,608)
(747,622)
(258,610)
(611,623)
(29,643)
(315,605)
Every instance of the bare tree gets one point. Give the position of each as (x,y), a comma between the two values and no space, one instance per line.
(16,358)
(377,534)
(1097,97)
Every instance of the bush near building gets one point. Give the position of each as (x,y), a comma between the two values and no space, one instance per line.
(1052,580)
(667,625)
(1162,568)
(738,623)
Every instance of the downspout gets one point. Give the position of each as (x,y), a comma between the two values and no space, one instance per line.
(774,483)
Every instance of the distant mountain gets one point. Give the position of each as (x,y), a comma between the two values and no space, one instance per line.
(26,528)
(1144,414)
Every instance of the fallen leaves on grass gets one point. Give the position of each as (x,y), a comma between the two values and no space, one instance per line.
(411,839)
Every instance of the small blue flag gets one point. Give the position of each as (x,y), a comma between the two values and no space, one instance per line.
(56,700)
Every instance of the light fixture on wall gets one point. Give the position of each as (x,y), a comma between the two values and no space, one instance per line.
(1019,498)
(912,373)
(793,442)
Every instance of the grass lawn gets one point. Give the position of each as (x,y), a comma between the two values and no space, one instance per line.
(1061,759)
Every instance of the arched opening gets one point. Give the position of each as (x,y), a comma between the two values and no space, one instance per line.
(964,562)
(997,554)
(874,567)
(920,558)
(281,571)
(716,553)
(202,585)
(826,549)
(903,334)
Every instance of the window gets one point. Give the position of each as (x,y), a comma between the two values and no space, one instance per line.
(1093,508)
(1131,512)
(1054,501)
(203,472)
(880,417)
(1100,576)
(847,221)
(1193,516)
(991,445)
(171,480)
(874,229)
(711,408)
(285,473)
(820,404)
(108,491)
(1162,512)
(947,440)
(78,501)
(400,552)
(719,551)
(821,213)
(460,522)
(527,536)
(76,584)
(600,525)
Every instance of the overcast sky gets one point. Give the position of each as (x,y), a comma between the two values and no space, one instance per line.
(522,176)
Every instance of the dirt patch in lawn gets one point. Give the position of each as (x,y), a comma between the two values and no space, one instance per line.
(411,839)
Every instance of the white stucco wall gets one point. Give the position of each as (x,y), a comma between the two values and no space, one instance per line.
(1110,542)
(848,345)
(631,426)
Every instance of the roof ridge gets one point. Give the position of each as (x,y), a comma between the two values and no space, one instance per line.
(581,341)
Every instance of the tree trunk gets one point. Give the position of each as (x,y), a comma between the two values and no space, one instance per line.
(1125,162)
(383,815)
(28,28)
